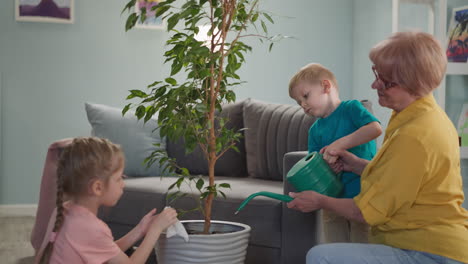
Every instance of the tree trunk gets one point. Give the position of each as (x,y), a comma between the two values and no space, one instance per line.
(209,199)
(211,161)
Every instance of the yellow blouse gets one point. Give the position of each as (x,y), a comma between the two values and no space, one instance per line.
(411,192)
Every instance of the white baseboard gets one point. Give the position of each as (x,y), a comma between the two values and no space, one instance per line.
(18,209)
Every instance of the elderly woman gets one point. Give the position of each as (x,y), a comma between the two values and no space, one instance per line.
(411,191)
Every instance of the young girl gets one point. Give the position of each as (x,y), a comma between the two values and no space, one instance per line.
(90,175)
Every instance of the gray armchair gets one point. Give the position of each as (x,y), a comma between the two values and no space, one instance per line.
(301,231)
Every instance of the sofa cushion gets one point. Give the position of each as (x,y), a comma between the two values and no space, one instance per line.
(232,163)
(272,130)
(262,214)
(135,137)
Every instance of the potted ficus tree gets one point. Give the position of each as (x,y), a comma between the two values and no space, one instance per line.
(208,67)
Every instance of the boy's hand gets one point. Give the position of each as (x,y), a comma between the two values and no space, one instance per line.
(350,162)
(164,220)
(327,156)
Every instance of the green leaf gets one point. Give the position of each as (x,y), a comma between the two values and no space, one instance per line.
(140,112)
(200,184)
(172,186)
(218,12)
(137,93)
(179,182)
(154,84)
(171,81)
(201,108)
(268,17)
(204,195)
(172,22)
(223,194)
(175,68)
(143,17)
(265,29)
(185,172)
(160,10)
(149,113)
(225,185)
(159,92)
(236,149)
(129,5)
(131,21)
(255,17)
(142,14)
(125,109)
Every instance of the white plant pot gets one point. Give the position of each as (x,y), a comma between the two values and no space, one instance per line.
(228,244)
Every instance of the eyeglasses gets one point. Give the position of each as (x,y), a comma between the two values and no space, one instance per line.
(387,84)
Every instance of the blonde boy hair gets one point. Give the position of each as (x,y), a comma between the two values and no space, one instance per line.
(312,73)
(413,60)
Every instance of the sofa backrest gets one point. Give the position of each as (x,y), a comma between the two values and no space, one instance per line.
(272,130)
(232,163)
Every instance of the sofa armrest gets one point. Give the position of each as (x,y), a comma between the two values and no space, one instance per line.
(289,160)
(299,230)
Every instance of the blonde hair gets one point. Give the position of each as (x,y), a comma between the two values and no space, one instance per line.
(312,73)
(413,60)
(81,162)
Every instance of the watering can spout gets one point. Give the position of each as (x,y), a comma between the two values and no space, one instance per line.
(277,196)
(311,173)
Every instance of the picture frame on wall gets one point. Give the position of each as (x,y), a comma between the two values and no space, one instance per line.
(52,11)
(151,21)
(463,125)
(457,35)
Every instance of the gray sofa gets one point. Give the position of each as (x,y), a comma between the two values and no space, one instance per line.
(275,133)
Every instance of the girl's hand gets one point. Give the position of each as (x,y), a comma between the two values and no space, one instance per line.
(164,220)
(145,222)
(307,201)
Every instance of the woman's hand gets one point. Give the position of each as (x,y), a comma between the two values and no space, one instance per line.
(306,201)
(347,161)
(309,201)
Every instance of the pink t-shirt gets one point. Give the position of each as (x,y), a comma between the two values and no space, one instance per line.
(83,238)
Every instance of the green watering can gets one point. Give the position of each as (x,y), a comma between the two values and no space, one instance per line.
(311,173)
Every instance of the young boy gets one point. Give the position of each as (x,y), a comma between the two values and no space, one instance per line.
(340,125)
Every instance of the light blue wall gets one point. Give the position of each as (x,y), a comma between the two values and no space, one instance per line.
(322,32)
(372,23)
(50,70)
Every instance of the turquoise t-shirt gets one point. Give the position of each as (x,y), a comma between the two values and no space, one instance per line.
(348,117)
